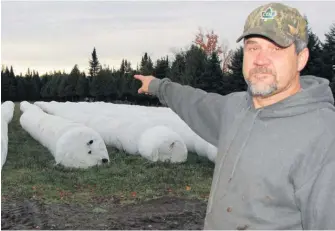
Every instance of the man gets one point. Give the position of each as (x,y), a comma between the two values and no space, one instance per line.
(275,167)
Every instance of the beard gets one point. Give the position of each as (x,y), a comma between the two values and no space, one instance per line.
(257,82)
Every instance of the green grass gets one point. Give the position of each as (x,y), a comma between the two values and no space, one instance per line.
(30,172)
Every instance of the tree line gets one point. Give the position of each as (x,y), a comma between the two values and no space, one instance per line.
(203,65)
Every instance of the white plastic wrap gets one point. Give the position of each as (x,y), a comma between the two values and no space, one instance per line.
(107,128)
(72,144)
(7,112)
(24,106)
(124,133)
(156,115)
(163,144)
(155,143)
(72,114)
(205,149)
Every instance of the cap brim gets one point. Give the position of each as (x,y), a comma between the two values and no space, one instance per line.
(280,41)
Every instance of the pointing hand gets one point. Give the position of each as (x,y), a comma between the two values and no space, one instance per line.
(145,83)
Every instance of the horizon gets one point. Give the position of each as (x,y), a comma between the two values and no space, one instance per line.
(54,36)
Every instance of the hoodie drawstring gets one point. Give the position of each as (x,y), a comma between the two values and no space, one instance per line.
(244,143)
(215,185)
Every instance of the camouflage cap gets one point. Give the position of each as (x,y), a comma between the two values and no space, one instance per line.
(277,22)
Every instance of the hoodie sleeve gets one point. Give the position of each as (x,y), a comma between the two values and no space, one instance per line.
(199,109)
(316,198)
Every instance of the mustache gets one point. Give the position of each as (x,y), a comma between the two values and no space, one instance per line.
(262,70)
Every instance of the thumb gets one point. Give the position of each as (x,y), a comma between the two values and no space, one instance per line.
(140,91)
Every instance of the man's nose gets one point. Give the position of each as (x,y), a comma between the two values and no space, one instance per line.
(262,58)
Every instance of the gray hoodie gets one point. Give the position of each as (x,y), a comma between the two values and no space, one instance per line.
(275,167)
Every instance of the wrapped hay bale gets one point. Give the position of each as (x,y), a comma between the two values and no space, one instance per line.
(71,144)
(124,133)
(7,112)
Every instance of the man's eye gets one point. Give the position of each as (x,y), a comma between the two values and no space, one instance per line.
(253,48)
(276,48)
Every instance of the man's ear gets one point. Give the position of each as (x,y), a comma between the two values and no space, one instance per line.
(303,59)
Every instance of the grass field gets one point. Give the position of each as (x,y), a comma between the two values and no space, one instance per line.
(29,172)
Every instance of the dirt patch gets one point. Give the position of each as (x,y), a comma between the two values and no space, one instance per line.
(164,213)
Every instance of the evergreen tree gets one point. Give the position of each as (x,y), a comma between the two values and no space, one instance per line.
(99,84)
(5,83)
(314,65)
(70,89)
(28,83)
(82,87)
(212,78)
(44,85)
(12,92)
(236,78)
(61,88)
(36,82)
(195,65)
(94,64)
(125,66)
(328,56)
(162,68)
(22,89)
(178,68)
(146,67)
(56,85)
(109,90)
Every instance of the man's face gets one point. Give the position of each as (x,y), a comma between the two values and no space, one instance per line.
(268,68)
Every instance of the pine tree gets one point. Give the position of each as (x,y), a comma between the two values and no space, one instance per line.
(162,68)
(314,65)
(70,89)
(328,56)
(212,78)
(5,83)
(147,66)
(178,68)
(82,87)
(94,64)
(236,78)
(22,89)
(195,65)
(123,66)
(37,86)
(12,91)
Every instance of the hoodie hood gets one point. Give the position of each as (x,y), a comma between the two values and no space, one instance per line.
(315,94)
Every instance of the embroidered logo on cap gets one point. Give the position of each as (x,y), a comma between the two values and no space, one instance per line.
(269,13)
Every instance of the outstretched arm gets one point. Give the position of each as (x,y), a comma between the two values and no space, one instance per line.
(199,109)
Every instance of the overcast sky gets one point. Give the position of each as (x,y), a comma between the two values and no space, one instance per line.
(47,36)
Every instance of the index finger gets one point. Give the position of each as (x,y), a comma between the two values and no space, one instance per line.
(139,77)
